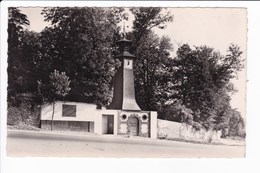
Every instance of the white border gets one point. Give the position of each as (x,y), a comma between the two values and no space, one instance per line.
(249,164)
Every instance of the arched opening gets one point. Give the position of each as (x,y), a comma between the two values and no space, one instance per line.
(133,126)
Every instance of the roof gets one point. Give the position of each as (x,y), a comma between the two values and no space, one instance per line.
(125,54)
(124,40)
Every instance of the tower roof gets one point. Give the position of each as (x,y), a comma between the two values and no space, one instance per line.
(124,45)
(124,40)
(125,54)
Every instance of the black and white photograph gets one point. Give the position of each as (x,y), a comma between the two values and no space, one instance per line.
(134,82)
(129,86)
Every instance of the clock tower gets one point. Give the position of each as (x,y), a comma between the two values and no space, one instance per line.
(124,90)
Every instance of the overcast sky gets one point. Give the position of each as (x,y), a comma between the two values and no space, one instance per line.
(214,27)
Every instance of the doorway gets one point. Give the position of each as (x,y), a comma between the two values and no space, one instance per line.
(108,124)
(134,126)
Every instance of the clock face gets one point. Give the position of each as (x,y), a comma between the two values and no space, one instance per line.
(128,63)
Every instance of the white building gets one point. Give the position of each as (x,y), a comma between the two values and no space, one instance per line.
(75,116)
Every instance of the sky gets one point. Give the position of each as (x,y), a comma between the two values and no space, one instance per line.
(214,27)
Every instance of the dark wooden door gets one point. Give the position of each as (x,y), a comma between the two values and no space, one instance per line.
(110,124)
(134,126)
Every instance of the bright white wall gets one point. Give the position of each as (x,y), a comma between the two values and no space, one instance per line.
(153,125)
(84,112)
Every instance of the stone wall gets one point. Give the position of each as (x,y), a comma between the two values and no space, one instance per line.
(181,131)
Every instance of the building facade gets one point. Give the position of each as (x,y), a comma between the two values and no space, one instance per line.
(83,117)
(122,117)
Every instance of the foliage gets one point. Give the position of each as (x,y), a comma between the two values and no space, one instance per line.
(147,18)
(16,24)
(236,125)
(202,81)
(60,83)
(21,43)
(81,42)
(25,114)
(177,112)
(152,54)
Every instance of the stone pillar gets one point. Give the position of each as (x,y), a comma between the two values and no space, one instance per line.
(153,125)
(98,123)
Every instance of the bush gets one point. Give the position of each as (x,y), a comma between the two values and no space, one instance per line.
(25,113)
(197,126)
(176,112)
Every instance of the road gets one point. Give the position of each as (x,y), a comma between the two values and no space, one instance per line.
(60,144)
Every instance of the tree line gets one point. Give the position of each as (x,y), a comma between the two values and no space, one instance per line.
(192,87)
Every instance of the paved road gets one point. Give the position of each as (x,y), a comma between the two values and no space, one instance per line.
(56,144)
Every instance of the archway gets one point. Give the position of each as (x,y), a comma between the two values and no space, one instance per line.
(133,126)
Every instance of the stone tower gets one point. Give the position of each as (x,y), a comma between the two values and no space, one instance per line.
(124,91)
(129,118)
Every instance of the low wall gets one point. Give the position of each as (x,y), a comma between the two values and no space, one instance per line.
(174,130)
(84,126)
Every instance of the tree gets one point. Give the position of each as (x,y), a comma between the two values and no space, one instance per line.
(147,18)
(16,23)
(30,45)
(22,85)
(236,124)
(16,26)
(80,41)
(152,53)
(202,81)
(59,83)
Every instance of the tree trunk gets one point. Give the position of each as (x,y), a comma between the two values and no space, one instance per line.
(53,108)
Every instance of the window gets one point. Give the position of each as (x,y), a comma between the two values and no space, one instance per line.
(68,110)
(128,64)
(124,117)
(144,117)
